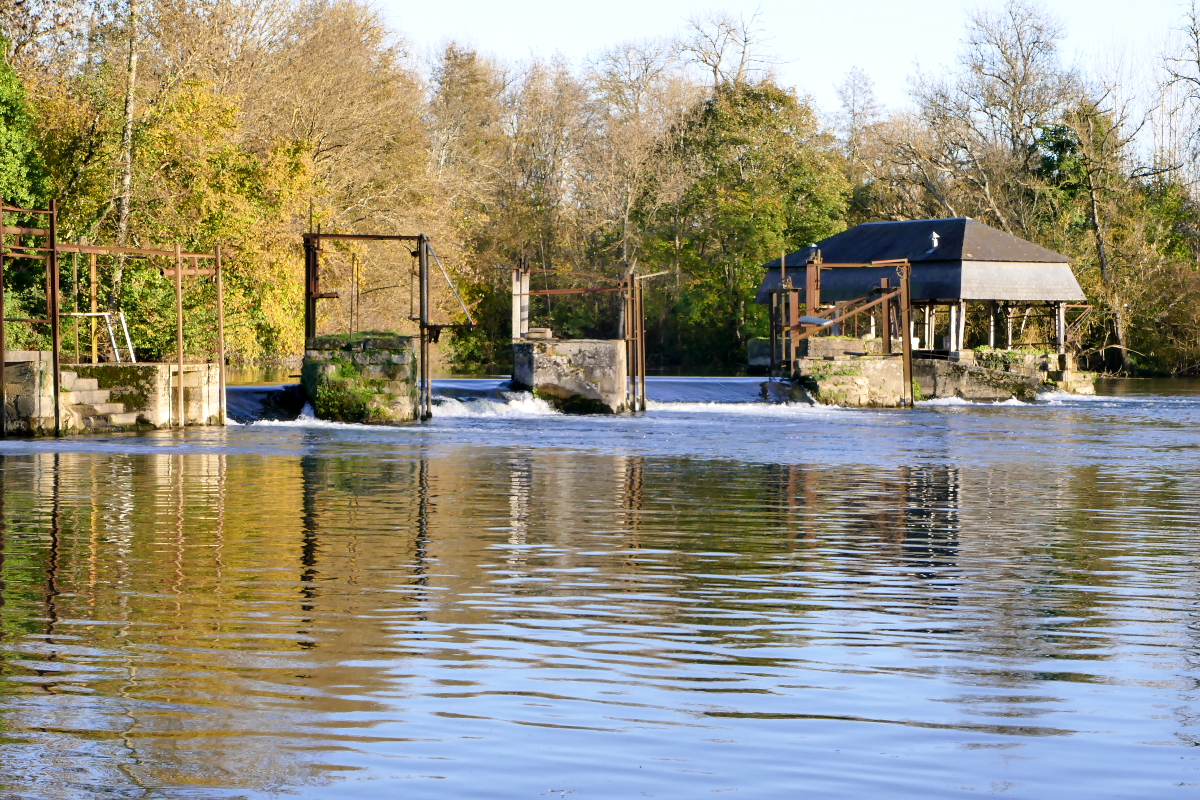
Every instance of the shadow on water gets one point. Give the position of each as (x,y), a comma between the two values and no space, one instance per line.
(464,613)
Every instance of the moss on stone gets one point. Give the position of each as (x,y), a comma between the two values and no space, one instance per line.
(574,404)
(334,376)
(131,384)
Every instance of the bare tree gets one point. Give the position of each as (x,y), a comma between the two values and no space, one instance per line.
(1180,133)
(860,109)
(637,91)
(981,125)
(39,31)
(728,47)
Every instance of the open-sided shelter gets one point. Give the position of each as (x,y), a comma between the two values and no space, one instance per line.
(959,266)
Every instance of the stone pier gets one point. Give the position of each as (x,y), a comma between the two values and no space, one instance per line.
(576,376)
(370,378)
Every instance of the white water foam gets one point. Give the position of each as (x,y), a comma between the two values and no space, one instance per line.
(760,409)
(958,401)
(519,404)
(311,422)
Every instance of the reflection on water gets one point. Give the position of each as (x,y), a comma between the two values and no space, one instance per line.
(485,609)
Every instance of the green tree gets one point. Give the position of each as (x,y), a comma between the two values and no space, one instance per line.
(763,179)
(22,175)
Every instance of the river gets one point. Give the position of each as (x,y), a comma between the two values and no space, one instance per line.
(718,597)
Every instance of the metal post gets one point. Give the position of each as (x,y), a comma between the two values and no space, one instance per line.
(312,284)
(771,364)
(885,316)
(3,340)
(793,332)
(641,328)
(992,324)
(777,318)
(52,308)
(1008,323)
(906,330)
(179,328)
(220,335)
(424,391)
(75,299)
(95,300)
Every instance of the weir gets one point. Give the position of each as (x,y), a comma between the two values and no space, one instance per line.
(373,378)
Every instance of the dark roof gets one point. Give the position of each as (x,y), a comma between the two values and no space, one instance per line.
(959,239)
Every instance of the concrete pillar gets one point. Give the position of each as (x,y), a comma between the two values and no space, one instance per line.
(992,324)
(524,302)
(1008,326)
(952,330)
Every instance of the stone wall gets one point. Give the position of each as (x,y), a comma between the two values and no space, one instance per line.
(878,382)
(147,393)
(577,376)
(371,378)
(854,383)
(938,378)
(1058,371)
(109,397)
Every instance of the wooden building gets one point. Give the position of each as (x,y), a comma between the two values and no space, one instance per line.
(960,267)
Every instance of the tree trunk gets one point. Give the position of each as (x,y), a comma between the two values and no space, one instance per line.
(123,200)
(1120,323)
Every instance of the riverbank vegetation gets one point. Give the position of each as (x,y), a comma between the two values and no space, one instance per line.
(243,122)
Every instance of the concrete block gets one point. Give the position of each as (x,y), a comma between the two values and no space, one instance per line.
(575,375)
(93,397)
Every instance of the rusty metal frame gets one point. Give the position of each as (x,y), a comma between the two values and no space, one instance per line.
(785,311)
(634,313)
(49,253)
(50,233)
(429,331)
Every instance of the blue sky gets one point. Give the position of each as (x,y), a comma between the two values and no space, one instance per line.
(816,42)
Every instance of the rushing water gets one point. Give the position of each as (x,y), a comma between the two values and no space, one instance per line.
(720,596)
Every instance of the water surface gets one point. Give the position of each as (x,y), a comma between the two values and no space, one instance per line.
(721,596)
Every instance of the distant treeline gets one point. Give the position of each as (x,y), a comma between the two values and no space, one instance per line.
(243,122)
